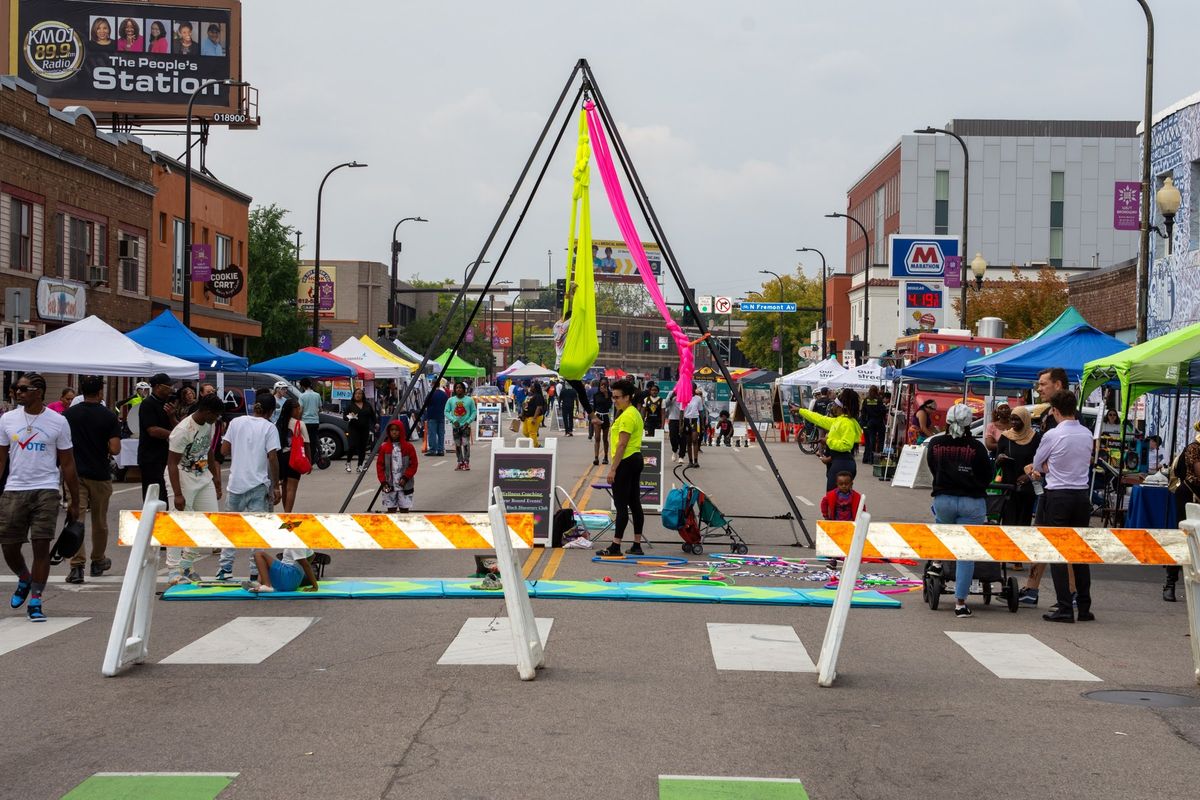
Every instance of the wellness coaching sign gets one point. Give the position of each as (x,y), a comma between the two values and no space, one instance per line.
(127,58)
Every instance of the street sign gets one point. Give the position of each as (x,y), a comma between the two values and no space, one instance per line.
(723,305)
(848,359)
(704,304)
(664,343)
(775,308)
(921,257)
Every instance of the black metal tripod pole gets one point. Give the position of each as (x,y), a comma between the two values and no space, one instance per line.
(660,239)
(459,298)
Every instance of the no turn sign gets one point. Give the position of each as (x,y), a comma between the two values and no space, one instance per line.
(722,305)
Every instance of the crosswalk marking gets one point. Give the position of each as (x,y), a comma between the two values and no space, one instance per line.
(487,640)
(759,648)
(244,640)
(16,632)
(1019,656)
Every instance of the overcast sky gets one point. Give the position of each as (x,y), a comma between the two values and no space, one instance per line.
(747,120)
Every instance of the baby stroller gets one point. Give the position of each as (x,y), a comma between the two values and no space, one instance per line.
(986,572)
(691,512)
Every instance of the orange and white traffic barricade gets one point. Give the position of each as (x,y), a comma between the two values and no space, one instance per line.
(1039,544)
(145,531)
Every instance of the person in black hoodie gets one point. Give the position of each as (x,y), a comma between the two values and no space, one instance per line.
(873,417)
(962,470)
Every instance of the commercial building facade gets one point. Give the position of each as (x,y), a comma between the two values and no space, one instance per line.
(1041,192)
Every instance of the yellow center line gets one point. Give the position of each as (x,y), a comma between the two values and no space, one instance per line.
(535,555)
(552,565)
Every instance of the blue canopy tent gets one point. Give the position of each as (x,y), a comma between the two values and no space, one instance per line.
(166,334)
(305,365)
(1024,360)
(945,367)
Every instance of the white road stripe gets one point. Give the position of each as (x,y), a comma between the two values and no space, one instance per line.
(760,467)
(130,489)
(487,640)
(365,491)
(16,632)
(759,648)
(244,640)
(805,500)
(1019,656)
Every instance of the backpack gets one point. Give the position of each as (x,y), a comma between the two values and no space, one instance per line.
(675,507)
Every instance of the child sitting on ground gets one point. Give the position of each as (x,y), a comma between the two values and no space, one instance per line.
(287,574)
(724,430)
(842,501)
(396,467)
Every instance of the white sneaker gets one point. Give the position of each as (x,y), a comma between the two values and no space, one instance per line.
(177,578)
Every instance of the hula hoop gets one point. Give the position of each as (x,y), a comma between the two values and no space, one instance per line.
(687,574)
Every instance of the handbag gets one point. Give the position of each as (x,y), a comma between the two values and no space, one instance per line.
(514,425)
(298,460)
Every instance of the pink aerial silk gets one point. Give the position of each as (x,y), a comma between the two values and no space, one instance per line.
(612,187)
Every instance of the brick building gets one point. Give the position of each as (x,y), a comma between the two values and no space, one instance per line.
(75,215)
(1105,298)
(220,219)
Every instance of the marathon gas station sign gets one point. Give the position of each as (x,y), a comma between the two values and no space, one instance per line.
(919,264)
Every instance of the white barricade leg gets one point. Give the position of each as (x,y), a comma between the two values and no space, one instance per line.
(827,663)
(1191,581)
(526,640)
(129,639)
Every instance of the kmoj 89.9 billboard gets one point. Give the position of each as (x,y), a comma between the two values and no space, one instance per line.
(131,59)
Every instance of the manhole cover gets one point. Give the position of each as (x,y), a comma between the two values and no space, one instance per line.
(1145,699)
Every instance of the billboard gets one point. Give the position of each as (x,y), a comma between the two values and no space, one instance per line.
(612,263)
(921,257)
(129,58)
(499,334)
(304,291)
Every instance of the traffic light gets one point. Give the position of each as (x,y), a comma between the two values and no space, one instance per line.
(560,292)
(614,339)
(689,307)
(647,344)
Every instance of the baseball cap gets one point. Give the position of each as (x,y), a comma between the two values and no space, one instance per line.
(280,385)
(160,378)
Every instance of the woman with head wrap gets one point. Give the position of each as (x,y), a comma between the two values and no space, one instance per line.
(962,471)
(844,434)
(1014,449)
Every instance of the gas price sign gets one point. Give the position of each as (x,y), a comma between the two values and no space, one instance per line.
(924,307)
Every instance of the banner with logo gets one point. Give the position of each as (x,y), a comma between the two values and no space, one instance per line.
(612,262)
(127,57)
(921,257)
(304,291)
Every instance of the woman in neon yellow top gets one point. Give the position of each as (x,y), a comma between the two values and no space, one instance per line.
(844,435)
(625,474)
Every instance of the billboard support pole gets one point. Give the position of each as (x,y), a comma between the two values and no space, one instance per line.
(643,201)
(461,296)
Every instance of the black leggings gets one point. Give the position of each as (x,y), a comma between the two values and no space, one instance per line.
(360,438)
(673,433)
(627,495)
(581,396)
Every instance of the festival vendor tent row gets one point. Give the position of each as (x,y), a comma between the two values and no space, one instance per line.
(359,353)
(862,377)
(92,347)
(312,363)
(458,368)
(821,373)
(1070,349)
(167,334)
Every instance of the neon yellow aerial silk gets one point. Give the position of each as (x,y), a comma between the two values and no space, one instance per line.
(581,349)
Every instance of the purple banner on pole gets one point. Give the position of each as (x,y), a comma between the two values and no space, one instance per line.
(202,263)
(775,343)
(953,275)
(1127,206)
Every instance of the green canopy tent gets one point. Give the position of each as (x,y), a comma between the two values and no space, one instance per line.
(1067,320)
(1160,363)
(458,368)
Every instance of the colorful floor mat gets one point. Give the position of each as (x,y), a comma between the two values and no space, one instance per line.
(585,590)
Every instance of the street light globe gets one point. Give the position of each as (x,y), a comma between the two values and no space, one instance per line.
(979,266)
(1168,198)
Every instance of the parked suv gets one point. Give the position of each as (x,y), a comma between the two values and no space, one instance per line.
(333,434)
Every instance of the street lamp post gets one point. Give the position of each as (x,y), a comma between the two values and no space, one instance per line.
(187,195)
(1143,269)
(297,247)
(776,274)
(962,300)
(824,322)
(866,283)
(316,329)
(393,316)
(1168,200)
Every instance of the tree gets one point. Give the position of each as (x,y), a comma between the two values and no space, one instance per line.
(1025,304)
(797,328)
(272,280)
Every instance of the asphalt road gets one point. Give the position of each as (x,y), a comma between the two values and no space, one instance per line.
(356,706)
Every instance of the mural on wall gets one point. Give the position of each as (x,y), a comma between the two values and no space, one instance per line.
(1174,290)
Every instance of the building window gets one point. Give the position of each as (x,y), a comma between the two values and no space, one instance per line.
(177,260)
(79,248)
(1056,219)
(129,249)
(21,236)
(880,240)
(222,255)
(1194,208)
(941,203)
(60,245)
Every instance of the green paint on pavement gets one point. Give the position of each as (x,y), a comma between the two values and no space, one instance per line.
(150,787)
(688,787)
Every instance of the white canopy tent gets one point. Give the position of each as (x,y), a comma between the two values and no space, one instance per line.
(530,371)
(92,347)
(355,351)
(863,376)
(820,374)
(413,355)
(516,365)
